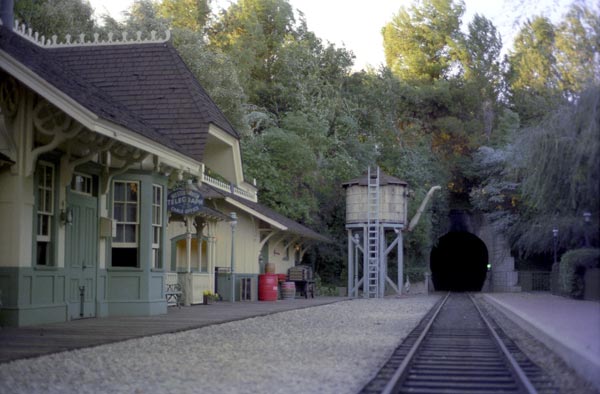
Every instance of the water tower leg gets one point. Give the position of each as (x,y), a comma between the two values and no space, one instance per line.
(356,260)
(350,264)
(365,261)
(382,262)
(400,262)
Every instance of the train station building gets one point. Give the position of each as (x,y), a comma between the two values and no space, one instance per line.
(118,176)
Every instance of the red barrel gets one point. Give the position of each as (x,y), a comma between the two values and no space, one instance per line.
(267,287)
(282,277)
(288,290)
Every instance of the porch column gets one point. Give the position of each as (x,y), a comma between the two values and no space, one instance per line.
(188,242)
(210,251)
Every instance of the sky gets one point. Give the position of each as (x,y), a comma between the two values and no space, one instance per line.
(356,24)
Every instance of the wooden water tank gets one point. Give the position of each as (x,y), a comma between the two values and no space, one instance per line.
(392,200)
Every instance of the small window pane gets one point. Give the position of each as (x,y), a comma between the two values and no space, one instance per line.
(119,191)
(131,213)
(130,233)
(156,237)
(132,192)
(119,212)
(120,237)
(40,230)
(48,201)
(48,176)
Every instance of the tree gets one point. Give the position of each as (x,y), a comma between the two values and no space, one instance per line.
(422,42)
(251,32)
(547,177)
(482,68)
(186,14)
(577,50)
(57,17)
(532,76)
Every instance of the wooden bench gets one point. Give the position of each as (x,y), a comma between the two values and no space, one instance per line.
(173,294)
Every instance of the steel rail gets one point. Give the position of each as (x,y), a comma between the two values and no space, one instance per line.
(518,372)
(394,384)
(394,381)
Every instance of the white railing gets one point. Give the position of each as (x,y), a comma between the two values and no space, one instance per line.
(216,183)
(245,194)
(228,188)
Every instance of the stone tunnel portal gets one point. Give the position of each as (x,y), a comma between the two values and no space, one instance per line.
(459,262)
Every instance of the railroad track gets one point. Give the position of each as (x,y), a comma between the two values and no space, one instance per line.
(458,349)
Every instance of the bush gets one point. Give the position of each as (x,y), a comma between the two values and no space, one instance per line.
(573,265)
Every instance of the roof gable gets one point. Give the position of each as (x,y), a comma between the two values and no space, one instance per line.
(144,87)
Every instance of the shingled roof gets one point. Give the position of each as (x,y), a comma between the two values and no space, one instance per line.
(293,227)
(146,88)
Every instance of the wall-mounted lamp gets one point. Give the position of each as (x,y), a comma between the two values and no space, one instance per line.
(66,216)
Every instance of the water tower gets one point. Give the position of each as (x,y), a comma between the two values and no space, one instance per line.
(376,204)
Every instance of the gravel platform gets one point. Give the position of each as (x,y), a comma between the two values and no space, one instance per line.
(335,348)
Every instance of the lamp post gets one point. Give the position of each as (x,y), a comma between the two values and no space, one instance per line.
(555,237)
(233,223)
(587,219)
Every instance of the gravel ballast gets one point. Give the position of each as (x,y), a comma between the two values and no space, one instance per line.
(334,348)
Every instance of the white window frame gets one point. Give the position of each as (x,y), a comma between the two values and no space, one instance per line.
(89,183)
(157,224)
(45,209)
(122,222)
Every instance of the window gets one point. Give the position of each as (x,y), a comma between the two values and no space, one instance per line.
(126,216)
(157,205)
(81,184)
(45,212)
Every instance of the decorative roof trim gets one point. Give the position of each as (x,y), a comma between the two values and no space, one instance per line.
(92,121)
(42,41)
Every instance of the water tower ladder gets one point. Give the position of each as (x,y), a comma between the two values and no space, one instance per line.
(373,234)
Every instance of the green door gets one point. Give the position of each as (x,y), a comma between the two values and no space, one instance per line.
(81,255)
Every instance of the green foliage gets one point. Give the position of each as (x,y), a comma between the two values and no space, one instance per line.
(577,47)
(286,165)
(186,14)
(572,268)
(547,178)
(56,17)
(551,63)
(421,43)
(252,32)
(308,123)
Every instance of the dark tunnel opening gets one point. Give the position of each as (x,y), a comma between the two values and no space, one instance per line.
(459,262)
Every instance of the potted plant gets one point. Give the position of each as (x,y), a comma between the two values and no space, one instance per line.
(210,297)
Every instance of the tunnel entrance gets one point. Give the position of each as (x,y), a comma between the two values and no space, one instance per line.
(459,262)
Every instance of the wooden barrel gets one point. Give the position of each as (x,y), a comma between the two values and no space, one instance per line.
(269,268)
(267,287)
(288,290)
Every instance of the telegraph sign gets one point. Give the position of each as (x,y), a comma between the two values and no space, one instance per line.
(184,201)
